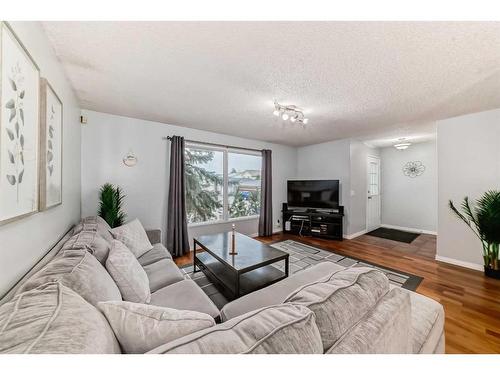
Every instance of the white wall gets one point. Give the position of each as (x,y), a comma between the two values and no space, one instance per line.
(359,153)
(107,138)
(24,241)
(468,165)
(328,161)
(409,202)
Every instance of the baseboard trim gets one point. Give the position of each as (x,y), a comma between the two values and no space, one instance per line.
(416,230)
(354,235)
(461,263)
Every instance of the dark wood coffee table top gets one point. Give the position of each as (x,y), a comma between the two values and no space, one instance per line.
(251,252)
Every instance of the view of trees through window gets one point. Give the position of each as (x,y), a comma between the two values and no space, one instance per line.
(206,195)
(243,184)
(204,185)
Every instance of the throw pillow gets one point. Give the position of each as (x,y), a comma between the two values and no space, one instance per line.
(133,236)
(96,224)
(128,274)
(91,241)
(140,328)
(80,271)
(53,319)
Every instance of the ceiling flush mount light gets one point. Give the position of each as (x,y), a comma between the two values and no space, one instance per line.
(402,144)
(290,112)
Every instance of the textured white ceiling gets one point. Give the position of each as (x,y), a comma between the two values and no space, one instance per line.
(352,78)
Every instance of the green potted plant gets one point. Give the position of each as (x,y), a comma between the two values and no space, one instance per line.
(110,205)
(483,219)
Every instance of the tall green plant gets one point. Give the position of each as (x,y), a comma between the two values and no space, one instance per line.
(483,219)
(110,205)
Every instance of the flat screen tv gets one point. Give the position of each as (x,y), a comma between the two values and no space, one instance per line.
(313,193)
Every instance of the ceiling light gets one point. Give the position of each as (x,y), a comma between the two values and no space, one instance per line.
(290,112)
(403,144)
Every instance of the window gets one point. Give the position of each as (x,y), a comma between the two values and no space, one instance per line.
(243,185)
(221,184)
(204,184)
(373,177)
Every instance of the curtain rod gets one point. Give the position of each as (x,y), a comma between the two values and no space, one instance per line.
(217,145)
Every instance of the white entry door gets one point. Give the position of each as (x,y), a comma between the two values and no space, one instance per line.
(373,196)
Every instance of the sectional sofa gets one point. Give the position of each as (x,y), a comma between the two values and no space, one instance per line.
(57,308)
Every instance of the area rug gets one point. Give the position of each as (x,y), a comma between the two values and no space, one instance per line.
(394,234)
(303,256)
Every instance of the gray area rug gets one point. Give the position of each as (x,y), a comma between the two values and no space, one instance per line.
(303,256)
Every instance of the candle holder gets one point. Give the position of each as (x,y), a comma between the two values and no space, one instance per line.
(233,241)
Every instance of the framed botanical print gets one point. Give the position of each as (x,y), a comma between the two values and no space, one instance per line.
(51,117)
(19,128)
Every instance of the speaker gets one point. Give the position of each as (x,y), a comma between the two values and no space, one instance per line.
(285,207)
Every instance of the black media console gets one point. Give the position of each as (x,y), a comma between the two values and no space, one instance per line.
(325,223)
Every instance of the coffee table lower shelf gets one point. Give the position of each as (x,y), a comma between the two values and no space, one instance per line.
(225,278)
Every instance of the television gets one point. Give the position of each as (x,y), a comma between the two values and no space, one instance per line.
(313,193)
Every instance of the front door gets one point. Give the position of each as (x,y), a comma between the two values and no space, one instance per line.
(373,196)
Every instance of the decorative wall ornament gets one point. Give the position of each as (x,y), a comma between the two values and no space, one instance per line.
(130,160)
(413,168)
(51,117)
(19,128)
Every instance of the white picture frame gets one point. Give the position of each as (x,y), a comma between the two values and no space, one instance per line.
(19,128)
(51,138)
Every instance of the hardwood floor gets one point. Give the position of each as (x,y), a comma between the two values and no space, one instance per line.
(471,301)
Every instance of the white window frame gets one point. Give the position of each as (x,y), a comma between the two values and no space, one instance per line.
(225,200)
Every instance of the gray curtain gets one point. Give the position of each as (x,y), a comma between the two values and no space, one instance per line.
(177,236)
(266,198)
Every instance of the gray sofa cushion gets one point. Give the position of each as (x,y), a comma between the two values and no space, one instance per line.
(427,325)
(341,300)
(282,329)
(133,235)
(90,240)
(54,319)
(128,274)
(96,224)
(80,271)
(184,295)
(383,330)
(140,328)
(276,293)
(162,273)
(158,252)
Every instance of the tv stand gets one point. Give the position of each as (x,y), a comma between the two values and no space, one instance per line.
(323,223)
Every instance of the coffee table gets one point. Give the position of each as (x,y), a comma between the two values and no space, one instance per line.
(236,275)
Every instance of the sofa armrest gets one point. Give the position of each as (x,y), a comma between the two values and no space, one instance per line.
(154,235)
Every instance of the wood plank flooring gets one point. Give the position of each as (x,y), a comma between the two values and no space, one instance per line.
(471,301)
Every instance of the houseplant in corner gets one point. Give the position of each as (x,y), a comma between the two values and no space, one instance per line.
(110,205)
(484,220)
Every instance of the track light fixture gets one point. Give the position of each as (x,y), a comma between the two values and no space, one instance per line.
(290,112)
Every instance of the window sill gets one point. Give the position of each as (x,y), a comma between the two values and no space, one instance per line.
(233,220)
